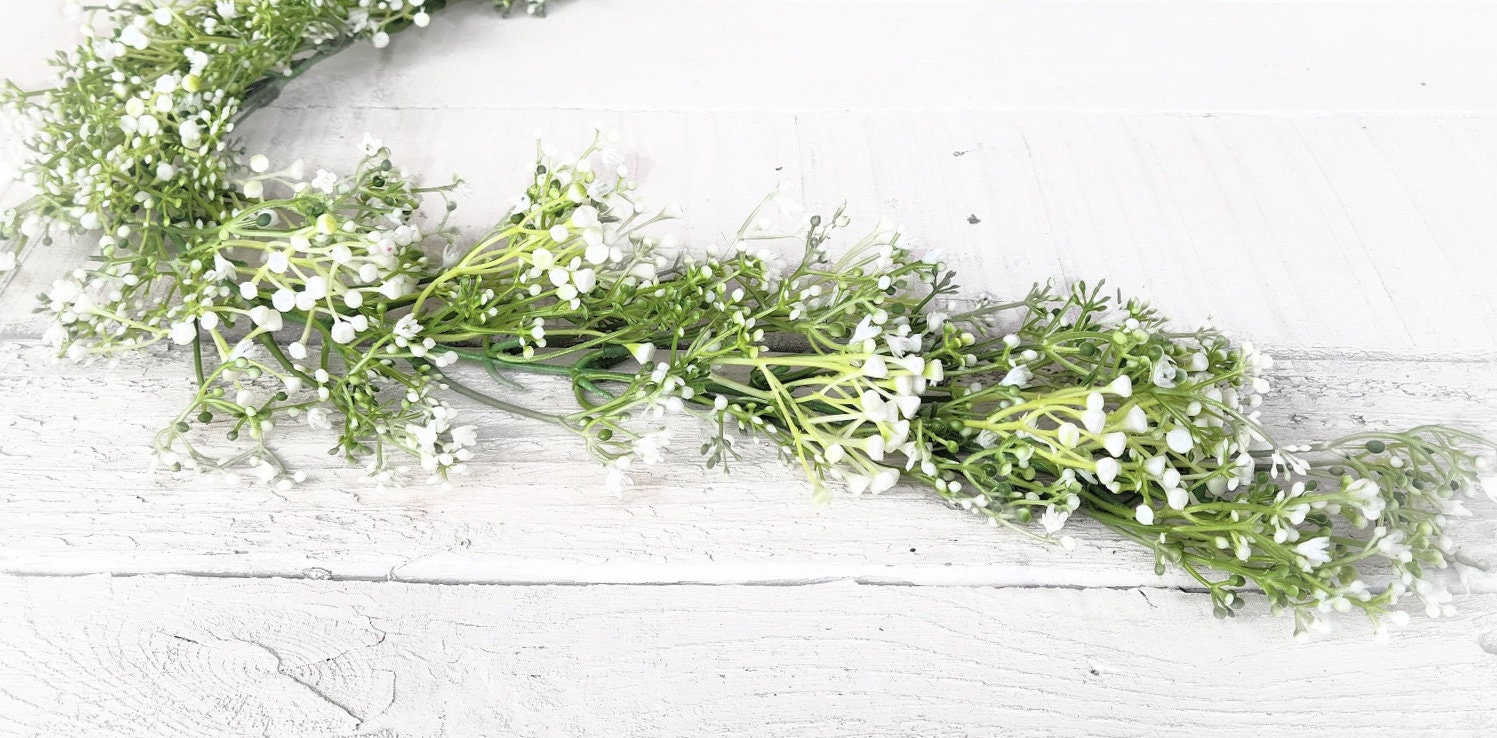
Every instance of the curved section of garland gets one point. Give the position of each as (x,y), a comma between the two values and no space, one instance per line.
(332,300)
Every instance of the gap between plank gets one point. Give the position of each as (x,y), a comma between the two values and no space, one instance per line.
(1279,353)
(956,580)
(866,581)
(1288,114)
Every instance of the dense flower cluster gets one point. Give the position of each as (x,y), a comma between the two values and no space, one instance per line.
(136,132)
(310,296)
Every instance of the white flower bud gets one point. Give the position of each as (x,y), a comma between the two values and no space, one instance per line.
(1179,440)
(1144,514)
(1107,470)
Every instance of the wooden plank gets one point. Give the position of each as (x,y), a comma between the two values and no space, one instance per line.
(1305,57)
(79,499)
(1357,233)
(185,657)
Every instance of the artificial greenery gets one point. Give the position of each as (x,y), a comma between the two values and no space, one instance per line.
(333,300)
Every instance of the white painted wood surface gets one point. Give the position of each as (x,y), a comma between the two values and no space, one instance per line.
(333,658)
(1320,176)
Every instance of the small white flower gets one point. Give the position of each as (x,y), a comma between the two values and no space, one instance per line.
(1122,386)
(266,318)
(343,331)
(1068,435)
(901,345)
(912,363)
(395,287)
(651,446)
(1019,376)
(465,435)
(1094,421)
(259,163)
(1115,443)
(1053,520)
(597,254)
(1164,373)
(283,299)
(1144,514)
(318,419)
(381,39)
(876,409)
(1315,551)
(883,481)
(371,145)
(191,133)
(316,287)
(585,216)
(182,333)
(1180,440)
(935,371)
(325,181)
(865,331)
(643,353)
(132,37)
(1107,470)
(1136,420)
(835,453)
(1154,465)
(1176,497)
(407,328)
(617,478)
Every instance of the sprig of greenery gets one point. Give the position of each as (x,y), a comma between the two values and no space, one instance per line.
(339,302)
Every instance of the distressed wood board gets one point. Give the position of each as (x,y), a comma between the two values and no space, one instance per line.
(1320,177)
(174,656)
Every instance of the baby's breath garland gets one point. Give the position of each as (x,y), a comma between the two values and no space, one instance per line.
(331,300)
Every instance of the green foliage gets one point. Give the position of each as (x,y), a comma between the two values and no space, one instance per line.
(338,302)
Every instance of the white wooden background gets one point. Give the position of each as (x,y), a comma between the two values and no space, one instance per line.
(1320,176)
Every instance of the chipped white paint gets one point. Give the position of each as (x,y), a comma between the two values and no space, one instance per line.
(1322,176)
(531,510)
(172,656)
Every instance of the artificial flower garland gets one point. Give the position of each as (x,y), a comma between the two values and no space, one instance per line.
(331,300)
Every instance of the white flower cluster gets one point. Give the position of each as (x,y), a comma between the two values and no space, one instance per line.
(135,131)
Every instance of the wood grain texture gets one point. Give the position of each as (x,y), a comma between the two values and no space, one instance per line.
(1350,234)
(1304,57)
(532,509)
(170,656)
(1319,176)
